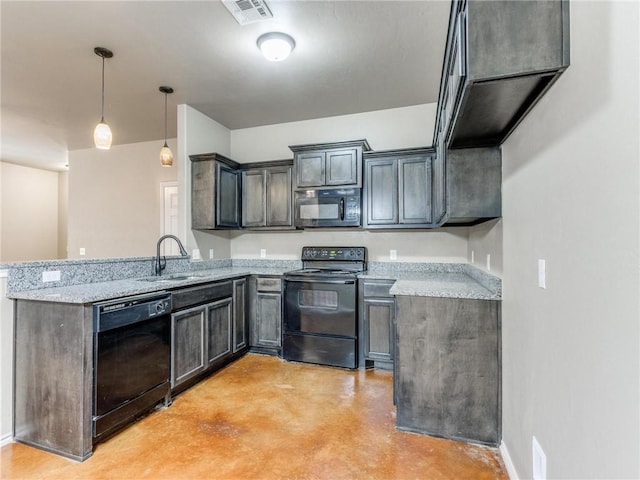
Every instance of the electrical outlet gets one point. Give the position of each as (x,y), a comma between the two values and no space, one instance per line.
(83,251)
(263,253)
(211,254)
(393,254)
(52,276)
(196,254)
(488,261)
(539,461)
(542,273)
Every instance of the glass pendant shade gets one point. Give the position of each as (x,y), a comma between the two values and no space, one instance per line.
(102,136)
(166,156)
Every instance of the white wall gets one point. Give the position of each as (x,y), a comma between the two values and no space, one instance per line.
(198,133)
(443,245)
(29,204)
(6,362)
(486,239)
(384,129)
(114,200)
(571,196)
(63,213)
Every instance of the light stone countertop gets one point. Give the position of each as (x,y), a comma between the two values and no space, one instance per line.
(449,280)
(100,291)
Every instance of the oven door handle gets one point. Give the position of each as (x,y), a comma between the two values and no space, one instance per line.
(341,208)
(316,281)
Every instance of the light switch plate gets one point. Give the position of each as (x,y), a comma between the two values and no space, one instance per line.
(263,253)
(83,251)
(196,254)
(393,254)
(211,254)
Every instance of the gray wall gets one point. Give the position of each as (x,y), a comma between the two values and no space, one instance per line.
(571,197)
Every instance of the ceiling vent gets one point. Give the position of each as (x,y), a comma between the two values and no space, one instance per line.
(248,11)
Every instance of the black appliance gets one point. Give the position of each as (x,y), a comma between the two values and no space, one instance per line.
(321,307)
(132,352)
(328,208)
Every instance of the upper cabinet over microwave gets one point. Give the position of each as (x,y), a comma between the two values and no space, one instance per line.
(329,165)
(500,59)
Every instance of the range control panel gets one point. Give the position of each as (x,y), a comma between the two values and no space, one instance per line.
(357,254)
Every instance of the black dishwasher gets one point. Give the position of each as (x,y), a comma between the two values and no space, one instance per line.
(132,354)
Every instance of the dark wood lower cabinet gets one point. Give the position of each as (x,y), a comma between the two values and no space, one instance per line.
(447,371)
(53,397)
(377,323)
(188,357)
(219,329)
(266,315)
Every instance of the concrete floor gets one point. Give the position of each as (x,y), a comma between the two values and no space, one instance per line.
(263,418)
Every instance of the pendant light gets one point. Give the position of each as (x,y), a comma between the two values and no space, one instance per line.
(166,157)
(102,134)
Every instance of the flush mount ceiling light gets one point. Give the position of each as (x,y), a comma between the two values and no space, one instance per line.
(166,157)
(102,134)
(276,46)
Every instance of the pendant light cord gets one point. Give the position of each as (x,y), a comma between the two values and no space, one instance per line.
(102,115)
(165,119)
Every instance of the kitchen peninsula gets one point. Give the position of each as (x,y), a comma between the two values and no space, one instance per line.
(100,282)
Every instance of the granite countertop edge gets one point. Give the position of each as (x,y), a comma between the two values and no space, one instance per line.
(102,291)
(428,279)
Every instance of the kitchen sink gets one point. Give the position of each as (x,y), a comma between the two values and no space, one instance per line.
(170,278)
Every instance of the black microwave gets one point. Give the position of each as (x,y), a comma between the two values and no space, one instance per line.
(328,208)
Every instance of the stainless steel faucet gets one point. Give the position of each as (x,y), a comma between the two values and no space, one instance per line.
(161,264)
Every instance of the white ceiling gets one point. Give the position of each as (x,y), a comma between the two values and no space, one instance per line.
(350,57)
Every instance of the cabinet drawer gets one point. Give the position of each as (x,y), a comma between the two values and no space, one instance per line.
(200,294)
(269,284)
(378,289)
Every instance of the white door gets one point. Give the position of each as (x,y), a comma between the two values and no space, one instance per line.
(169,221)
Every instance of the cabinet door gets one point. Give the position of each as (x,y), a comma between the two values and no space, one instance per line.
(202,194)
(382,192)
(279,199)
(341,167)
(187,344)
(310,169)
(219,329)
(254,209)
(378,328)
(240,331)
(269,319)
(414,190)
(439,182)
(227,198)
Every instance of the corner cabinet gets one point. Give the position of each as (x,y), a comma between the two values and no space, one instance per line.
(266,315)
(398,189)
(267,198)
(500,59)
(329,165)
(215,192)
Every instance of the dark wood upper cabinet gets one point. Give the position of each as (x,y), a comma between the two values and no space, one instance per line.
(329,165)
(215,192)
(267,197)
(398,189)
(500,59)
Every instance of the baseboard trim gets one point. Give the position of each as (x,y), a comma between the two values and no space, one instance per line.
(506,458)
(6,439)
